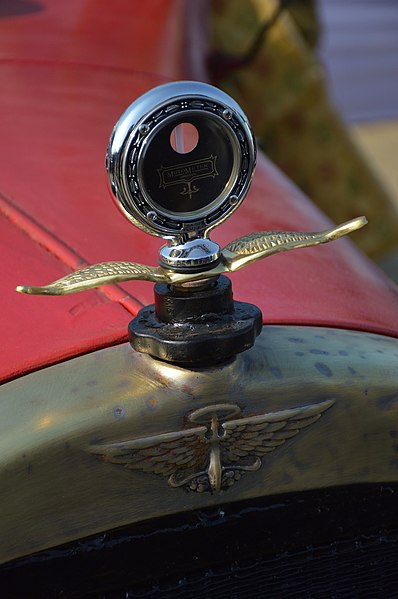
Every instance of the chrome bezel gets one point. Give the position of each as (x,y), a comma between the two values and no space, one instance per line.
(135,129)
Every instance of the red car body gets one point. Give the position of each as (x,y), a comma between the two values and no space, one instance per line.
(68,71)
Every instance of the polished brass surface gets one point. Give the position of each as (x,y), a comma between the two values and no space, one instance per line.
(96,275)
(255,246)
(54,490)
(201,459)
(235,255)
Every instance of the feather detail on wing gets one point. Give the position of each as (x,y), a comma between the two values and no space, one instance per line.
(259,435)
(161,454)
(96,275)
(255,246)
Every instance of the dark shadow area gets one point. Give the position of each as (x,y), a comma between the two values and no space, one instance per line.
(14,8)
(339,543)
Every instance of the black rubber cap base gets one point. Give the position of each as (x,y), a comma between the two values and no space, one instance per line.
(196,328)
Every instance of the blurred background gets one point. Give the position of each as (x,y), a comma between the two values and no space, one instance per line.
(359,49)
(319,82)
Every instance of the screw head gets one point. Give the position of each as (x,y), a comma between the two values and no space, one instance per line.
(227,114)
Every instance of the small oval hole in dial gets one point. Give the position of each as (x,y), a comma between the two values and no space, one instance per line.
(184,138)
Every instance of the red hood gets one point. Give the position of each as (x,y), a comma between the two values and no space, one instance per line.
(67,73)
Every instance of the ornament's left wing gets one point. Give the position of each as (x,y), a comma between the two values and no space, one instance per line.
(97,275)
(163,454)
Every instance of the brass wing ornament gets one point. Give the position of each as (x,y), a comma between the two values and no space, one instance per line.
(214,456)
(234,256)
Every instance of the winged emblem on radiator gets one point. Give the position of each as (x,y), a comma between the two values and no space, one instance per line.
(214,456)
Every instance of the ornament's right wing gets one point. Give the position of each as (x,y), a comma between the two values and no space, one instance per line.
(255,436)
(255,246)
(97,275)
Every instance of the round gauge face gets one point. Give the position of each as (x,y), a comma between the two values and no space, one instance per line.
(189,184)
(180,166)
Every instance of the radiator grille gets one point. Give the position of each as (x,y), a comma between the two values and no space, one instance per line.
(323,544)
(365,567)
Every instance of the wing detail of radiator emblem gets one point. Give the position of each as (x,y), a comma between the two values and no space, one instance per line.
(213,456)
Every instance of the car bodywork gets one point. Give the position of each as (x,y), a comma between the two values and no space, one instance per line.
(71,382)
